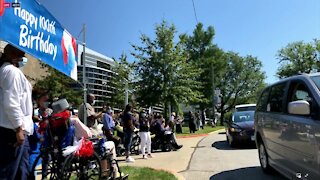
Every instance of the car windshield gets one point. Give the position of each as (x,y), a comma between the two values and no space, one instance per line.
(243,116)
(316,80)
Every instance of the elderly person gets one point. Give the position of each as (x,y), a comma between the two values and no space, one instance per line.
(16,111)
(92,116)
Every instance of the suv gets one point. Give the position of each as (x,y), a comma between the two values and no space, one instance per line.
(287,127)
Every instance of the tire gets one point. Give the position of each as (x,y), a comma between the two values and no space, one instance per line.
(167,147)
(42,171)
(264,158)
(82,168)
(230,142)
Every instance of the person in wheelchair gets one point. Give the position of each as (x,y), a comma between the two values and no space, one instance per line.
(164,134)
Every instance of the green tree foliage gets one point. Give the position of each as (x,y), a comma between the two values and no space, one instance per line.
(123,74)
(163,74)
(242,76)
(299,57)
(205,56)
(59,85)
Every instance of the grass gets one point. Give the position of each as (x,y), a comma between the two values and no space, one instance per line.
(138,173)
(206,130)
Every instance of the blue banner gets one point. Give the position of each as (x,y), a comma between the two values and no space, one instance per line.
(30,27)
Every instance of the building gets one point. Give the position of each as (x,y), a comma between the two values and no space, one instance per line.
(98,74)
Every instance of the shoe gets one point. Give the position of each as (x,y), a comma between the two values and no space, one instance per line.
(150,156)
(144,157)
(130,159)
(178,146)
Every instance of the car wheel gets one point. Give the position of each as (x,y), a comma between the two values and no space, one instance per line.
(230,142)
(264,158)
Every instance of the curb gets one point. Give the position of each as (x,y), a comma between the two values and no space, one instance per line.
(192,136)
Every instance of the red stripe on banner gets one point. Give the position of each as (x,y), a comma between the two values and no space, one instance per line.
(1,7)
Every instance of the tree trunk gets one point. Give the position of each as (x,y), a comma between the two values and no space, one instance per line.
(222,117)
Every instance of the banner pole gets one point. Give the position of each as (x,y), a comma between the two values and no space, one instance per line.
(84,75)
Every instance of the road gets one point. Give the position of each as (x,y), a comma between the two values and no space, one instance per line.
(214,159)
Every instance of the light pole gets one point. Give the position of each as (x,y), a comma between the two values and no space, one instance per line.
(213,92)
(84,74)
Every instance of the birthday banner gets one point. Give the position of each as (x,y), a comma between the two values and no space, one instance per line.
(30,27)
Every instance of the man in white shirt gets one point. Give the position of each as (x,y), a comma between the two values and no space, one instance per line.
(15,115)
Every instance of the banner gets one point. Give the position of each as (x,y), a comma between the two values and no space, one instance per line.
(30,27)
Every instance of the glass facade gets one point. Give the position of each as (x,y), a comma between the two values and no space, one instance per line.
(98,75)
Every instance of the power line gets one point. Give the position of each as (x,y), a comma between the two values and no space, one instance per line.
(195,12)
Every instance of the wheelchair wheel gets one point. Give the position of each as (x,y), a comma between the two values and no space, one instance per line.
(167,147)
(82,168)
(45,167)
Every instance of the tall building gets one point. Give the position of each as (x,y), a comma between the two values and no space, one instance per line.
(98,74)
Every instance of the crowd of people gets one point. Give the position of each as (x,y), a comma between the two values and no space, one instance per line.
(23,111)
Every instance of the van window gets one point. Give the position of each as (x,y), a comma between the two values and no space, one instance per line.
(299,91)
(263,101)
(275,103)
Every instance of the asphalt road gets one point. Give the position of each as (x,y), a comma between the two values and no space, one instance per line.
(213,159)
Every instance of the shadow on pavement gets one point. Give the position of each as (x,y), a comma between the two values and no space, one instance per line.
(222,132)
(223,145)
(246,173)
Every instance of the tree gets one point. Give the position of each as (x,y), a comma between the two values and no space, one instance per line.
(163,74)
(123,74)
(59,85)
(299,57)
(242,77)
(205,56)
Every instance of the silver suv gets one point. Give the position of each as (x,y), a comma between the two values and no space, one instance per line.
(287,127)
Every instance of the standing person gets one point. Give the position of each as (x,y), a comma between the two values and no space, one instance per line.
(203,118)
(16,111)
(178,122)
(144,127)
(128,129)
(192,124)
(92,116)
(40,114)
(109,125)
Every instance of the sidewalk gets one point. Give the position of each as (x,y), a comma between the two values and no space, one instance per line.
(174,161)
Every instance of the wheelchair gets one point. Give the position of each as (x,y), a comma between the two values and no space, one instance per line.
(52,164)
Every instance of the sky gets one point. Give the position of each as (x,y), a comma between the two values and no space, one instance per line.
(250,27)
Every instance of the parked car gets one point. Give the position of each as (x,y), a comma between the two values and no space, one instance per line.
(240,128)
(245,107)
(287,127)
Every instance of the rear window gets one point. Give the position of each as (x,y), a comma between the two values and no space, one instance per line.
(263,101)
(247,108)
(275,103)
(243,116)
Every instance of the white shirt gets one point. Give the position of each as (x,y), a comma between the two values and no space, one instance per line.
(15,99)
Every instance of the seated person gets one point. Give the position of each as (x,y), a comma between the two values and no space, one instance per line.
(109,126)
(92,116)
(163,133)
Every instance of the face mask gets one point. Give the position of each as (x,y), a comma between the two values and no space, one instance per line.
(93,102)
(36,112)
(23,62)
(143,115)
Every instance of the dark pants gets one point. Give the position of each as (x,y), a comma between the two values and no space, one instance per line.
(178,128)
(127,140)
(14,163)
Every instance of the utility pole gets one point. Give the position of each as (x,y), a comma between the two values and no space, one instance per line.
(84,78)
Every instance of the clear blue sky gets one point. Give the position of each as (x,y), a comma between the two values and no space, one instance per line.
(256,27)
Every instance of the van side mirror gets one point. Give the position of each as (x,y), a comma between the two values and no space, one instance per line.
(300,107)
